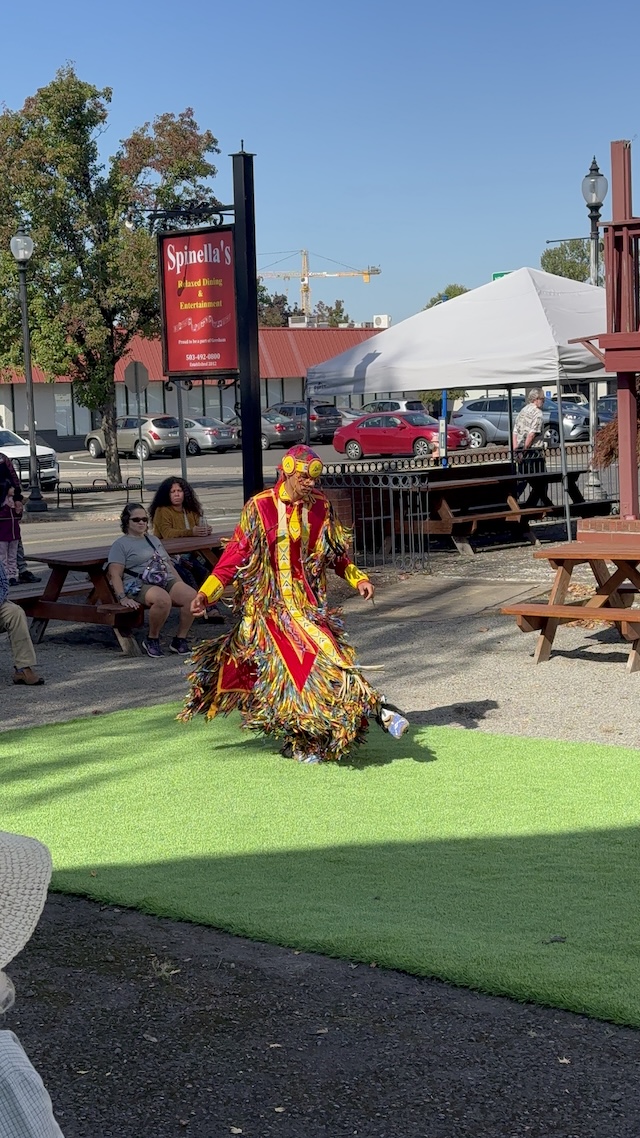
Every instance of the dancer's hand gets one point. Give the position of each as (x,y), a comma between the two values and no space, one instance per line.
(198,605)
(366,589)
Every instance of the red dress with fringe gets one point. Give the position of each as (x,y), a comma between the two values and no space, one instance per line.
(286,665)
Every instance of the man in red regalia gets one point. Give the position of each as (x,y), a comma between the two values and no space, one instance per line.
(287,665)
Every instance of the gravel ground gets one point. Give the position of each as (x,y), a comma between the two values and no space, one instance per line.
(144,1028)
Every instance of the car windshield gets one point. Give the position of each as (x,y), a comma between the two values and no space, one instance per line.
(209,421)
(419,419)
(325,409)
(166,423)
(8,439)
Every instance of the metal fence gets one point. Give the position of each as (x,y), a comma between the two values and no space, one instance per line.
(371,495)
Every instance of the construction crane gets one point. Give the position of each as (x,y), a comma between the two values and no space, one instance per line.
(305,275)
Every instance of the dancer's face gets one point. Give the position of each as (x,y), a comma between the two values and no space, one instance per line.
(300,487)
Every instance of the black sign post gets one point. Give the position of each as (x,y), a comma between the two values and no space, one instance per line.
(247,316)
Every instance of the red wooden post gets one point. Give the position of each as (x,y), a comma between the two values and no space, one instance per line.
(621,343)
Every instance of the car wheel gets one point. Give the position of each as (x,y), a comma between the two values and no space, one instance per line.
(477,437)
(142,450)
(353,449)
(264,442)
(422,447)
(94,448)
(192,447)
(552,436)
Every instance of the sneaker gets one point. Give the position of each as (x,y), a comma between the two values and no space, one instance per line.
(28,578)
(13,581)
(152,647)
(301,756)
(393,722)
(179,645)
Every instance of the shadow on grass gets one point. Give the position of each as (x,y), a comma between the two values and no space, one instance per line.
(464,714)
(548,918)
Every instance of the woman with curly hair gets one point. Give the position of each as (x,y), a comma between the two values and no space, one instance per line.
(176,511)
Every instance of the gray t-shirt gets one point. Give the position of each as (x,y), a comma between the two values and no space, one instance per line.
(135,553)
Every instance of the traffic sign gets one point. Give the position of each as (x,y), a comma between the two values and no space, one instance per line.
(136,376)
(497,276)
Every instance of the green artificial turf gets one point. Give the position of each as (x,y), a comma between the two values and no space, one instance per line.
(500,863)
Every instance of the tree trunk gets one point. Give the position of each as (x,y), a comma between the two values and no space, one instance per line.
(114,475)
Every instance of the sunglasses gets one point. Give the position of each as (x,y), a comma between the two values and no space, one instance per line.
(138,518)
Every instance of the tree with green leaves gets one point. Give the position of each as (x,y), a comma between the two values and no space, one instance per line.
(568,259)
(449,292)
(274,309)
(92,279)
(331,314)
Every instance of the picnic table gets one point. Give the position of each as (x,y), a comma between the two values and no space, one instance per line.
(611,602)
(459,507)
(55,602)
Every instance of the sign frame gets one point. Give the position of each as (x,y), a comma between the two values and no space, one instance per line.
(207,369)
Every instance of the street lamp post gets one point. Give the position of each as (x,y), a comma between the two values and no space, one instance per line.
(22,247)
(594,191)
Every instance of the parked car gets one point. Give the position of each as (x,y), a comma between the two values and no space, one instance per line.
(573,397)
(394,405)
(276,430)
(487,420)
(406,432)
(207,433)
(324,418)
(607,407)
(160,435)
(17,450)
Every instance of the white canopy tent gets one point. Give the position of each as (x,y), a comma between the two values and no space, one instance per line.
(515,330)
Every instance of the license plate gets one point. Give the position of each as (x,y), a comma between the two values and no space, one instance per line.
(224,434)
(172,434)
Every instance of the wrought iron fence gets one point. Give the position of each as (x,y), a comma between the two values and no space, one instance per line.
(385,501)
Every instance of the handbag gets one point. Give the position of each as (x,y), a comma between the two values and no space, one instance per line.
(155,571)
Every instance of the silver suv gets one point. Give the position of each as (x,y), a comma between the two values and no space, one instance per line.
(324,418)
(487,420)
(160,435)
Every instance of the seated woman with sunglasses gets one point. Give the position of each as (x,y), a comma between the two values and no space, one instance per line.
(142,573)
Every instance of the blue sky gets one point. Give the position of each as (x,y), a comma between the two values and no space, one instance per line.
(442,142)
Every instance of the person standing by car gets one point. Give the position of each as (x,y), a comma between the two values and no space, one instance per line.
(10,512)
(529,425)
(8,473)
(528,437)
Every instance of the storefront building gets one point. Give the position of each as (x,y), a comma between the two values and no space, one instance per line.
(285,355)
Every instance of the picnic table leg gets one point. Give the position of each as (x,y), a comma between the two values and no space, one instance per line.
(128,643)
(633,661)
(549,628)
(51,592)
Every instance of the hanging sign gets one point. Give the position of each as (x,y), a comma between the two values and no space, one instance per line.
(198,301)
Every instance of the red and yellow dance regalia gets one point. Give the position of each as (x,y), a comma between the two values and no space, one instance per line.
(286,665)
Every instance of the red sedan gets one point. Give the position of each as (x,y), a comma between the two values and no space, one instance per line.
(398,432)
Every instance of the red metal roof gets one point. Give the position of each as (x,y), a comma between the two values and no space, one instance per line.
(285,353)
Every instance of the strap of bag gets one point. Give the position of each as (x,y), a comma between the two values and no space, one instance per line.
(132,572)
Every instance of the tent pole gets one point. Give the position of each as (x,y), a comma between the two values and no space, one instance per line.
(510,420)
(563,464)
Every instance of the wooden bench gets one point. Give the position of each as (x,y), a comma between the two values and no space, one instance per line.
(540,617)
(122,619)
